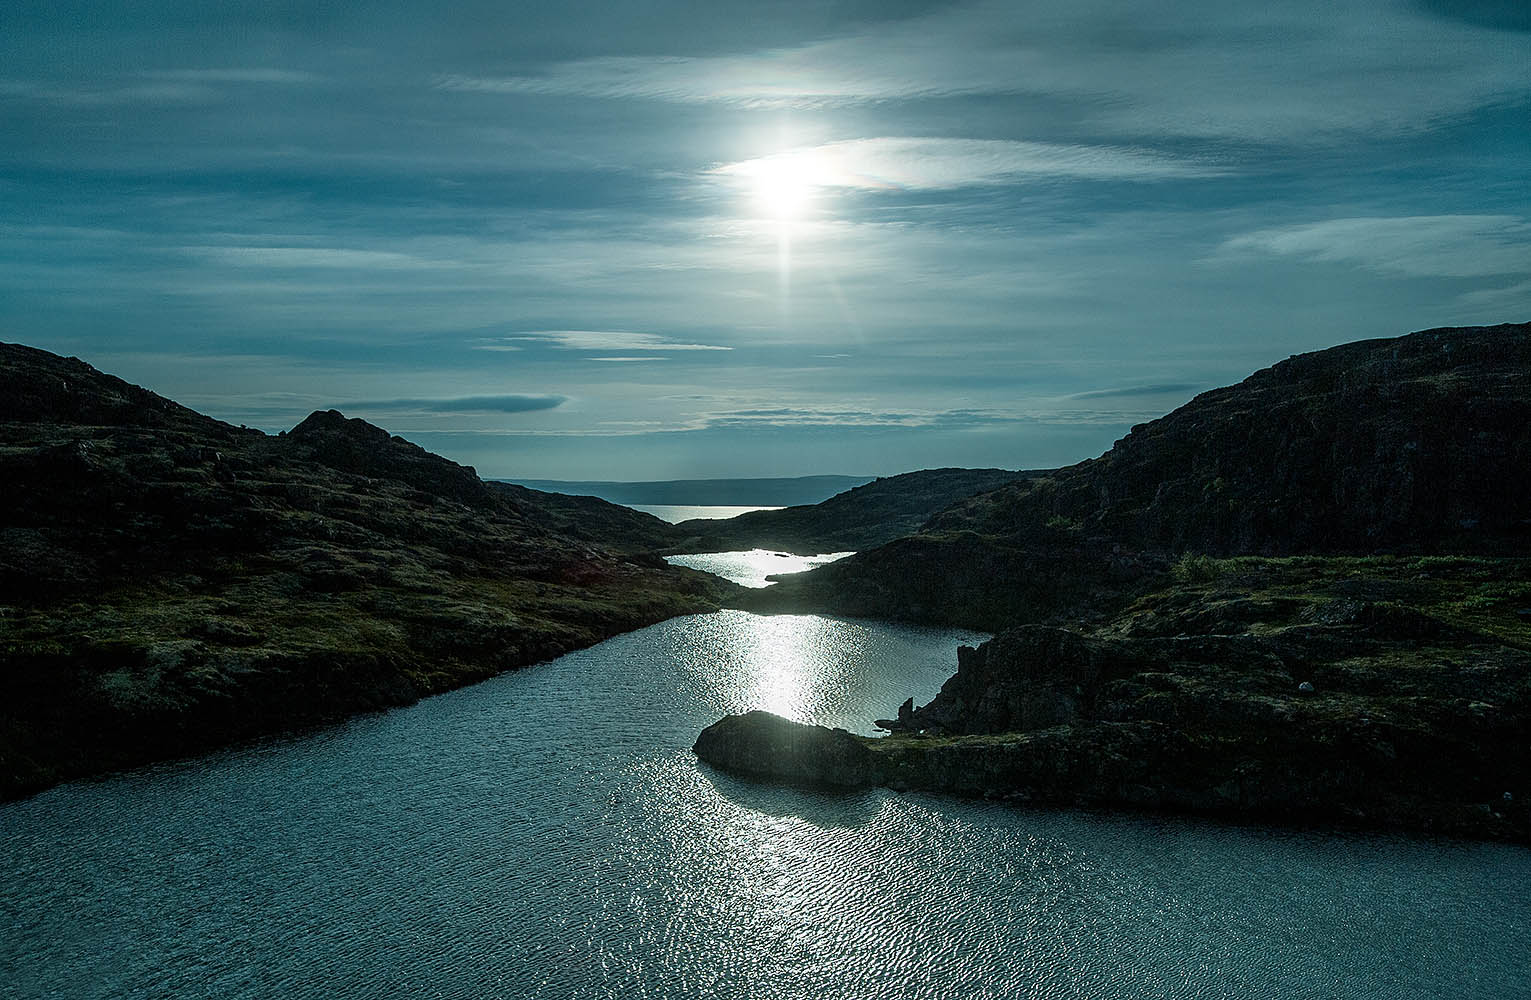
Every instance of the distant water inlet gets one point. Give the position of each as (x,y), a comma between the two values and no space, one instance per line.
(676,513)
(752,568)
(550,834)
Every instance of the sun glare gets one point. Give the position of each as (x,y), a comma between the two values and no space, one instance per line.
(783,191)
(782,186)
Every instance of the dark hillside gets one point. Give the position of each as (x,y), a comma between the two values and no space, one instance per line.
(170,583)
(1414,445)
(860,518)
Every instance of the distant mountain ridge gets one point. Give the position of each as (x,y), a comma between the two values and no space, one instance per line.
(869,515)
(777,492)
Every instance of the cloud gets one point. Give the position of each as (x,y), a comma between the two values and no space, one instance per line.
(815,417)
(1500,301)
(1139,390)
(953,419)
(105,95)
(1445,246)
(509,403)
(610,340)
(1298,71)
(930,163)
(651,358)
(238,75)
(309,257)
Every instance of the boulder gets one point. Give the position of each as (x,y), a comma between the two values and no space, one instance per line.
(761,745)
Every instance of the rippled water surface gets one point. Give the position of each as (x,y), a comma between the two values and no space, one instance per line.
(550,834)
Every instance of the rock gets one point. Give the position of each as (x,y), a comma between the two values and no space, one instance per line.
(1306,687)
(759,744)
(1027,678)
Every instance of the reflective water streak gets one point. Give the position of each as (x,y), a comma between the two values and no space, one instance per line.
(751,568)
(550,834)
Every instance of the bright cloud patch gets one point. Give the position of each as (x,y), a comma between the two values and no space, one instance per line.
(922,163)
(609,340)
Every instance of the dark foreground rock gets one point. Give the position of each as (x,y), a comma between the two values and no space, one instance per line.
(761,745)
(170,583)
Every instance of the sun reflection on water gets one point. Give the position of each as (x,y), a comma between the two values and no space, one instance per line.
(752,568)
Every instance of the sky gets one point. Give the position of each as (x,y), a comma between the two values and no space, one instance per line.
(662,240)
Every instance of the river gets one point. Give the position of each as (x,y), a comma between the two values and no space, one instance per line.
(549,833)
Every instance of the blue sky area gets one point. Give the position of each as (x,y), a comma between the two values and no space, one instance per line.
(668,240)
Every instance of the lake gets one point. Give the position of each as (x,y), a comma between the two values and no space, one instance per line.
(549,833)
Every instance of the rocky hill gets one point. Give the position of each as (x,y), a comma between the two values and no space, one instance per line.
(1418,444)
(169,582)
(860,518)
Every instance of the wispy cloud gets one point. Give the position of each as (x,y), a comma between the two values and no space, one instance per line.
(238,75)
(309,257)
(1511,302)
(1161,389)
(1447,246)
(933,163)
(110,94)
(954,419)
(508,403)
(1294,71)
(609,340)
(814,417)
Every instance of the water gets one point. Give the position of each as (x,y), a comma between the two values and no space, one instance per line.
(549,833)
(751,568)
(676,513)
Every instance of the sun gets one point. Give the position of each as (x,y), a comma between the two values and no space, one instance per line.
(782,186)
(783,189)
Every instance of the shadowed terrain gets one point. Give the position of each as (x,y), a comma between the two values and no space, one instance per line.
(859,518)
(170,583)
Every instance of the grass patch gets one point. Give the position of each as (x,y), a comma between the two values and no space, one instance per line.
(1197,568)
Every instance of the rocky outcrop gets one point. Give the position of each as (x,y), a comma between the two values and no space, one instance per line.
(761,745)
(357,447)
(1027,678)
(1416,444)
(1413,444)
